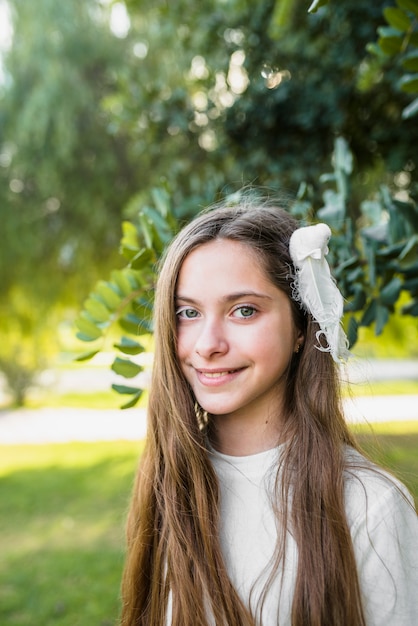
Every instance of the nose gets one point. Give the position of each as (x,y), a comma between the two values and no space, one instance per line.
(211,340)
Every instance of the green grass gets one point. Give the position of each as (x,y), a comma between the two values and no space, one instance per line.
(62,512)
(50,398)
(62,516)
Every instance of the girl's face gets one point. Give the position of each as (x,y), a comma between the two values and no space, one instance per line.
(236,334)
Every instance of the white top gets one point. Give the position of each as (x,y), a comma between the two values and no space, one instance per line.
(383,526)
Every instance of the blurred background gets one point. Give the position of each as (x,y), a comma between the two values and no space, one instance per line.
(119,121)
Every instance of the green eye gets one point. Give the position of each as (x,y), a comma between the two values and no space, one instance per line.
(245,311)
(187,313)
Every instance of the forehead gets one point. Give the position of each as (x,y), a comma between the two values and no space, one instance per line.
(225,263)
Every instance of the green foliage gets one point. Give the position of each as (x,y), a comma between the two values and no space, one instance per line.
(400,39)
(65,174)
(308,82)
(126,299)
(316,4)
(374,261)
(25,347)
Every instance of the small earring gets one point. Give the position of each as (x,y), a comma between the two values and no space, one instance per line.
(298,348)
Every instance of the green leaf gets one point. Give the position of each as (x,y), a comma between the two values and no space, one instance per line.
(354,274)
(89,330)
(281,16)
(411,246)
(159,237)
(411,308)
(98,311)
(84,337)
(409,83)
(142,258)
(413,39)
(126,368)
(316,4)
(159,223)
(334,210)
(146,230)
(390,45)
(143,309)
(352,331)
(129,242)
(372,210)
(411,285)
(410,62)
(86,356)
(161,200)
(375,49)
(135,325)
(397,18)
(343,155)
(359,300)
(390,293)
(391,252)
(369,314)
(410,110)
(131,324)
(129,234)
(408,5)
(129,346)
(123,281)
(124,390)
(382,317)
(327,178)
(109,296)
(132,402)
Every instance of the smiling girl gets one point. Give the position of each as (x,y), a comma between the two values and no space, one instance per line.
(252,504)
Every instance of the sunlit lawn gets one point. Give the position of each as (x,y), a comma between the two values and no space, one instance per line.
(62,511)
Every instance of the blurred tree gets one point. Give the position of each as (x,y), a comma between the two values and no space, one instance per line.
(65,173)
(205,96)
(311,80)
(68,173)
(258,91)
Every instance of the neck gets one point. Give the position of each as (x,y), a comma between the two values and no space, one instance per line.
(235,436)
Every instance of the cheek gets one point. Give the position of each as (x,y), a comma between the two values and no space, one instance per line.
(277,349)
(184,343)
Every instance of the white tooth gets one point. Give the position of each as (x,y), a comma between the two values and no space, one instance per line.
(217,374)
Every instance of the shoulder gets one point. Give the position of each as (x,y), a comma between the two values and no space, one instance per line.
(375,496)
(384,530)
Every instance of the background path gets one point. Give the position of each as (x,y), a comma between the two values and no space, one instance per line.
(66,424)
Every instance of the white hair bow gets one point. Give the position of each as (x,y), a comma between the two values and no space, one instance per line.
(315,289)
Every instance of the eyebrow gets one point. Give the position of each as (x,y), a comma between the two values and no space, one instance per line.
(231,297)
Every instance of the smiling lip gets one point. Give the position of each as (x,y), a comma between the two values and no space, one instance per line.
(217,377)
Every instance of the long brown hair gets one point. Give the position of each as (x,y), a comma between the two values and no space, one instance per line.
(173,524)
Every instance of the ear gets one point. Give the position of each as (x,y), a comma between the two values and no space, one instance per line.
(299,341)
